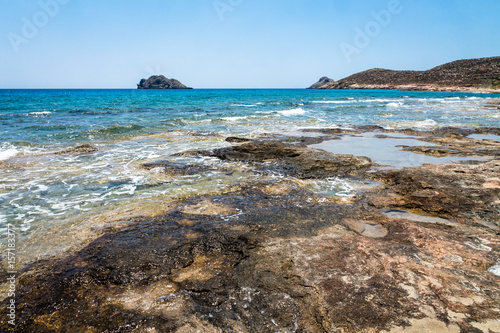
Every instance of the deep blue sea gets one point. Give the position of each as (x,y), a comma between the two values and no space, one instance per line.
(52,198)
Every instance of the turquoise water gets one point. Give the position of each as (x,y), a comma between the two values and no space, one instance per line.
(50,196)
(43,119)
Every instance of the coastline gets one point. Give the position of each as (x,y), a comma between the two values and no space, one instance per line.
(282,252)
(157,177)
(480,75)
(411,87)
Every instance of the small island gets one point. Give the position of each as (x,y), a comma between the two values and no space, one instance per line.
(478,75)
(160,82)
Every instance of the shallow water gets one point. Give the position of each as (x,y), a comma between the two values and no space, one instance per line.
(406,215)
(485,137)
(340,187)
(385,151)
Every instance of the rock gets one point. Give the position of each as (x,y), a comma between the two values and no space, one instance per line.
(82,149)
(237,139)
(463,75)
(322,82)
(160,82)
(447,190)
(178,169)
(367,228)
(426,150)
(296,161)
(269,255)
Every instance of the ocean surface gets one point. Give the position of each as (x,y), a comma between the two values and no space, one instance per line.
(53,199)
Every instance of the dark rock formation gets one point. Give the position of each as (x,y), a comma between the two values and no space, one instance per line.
(178,169)
(82,149)
(469,74)
(160,82)
(237,139)
(296,161)
(323,81)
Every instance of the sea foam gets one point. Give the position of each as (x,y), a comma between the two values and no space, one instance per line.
(7,151)
(233,118)
(40,113)
(334,102)
(394,104)
(293,112)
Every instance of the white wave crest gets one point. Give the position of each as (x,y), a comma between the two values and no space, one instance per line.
(40,113)
(394,104)
(233,118)
(426,123)
(7,151)
(293,112)
(334,102)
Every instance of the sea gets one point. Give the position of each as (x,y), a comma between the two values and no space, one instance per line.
(55,200)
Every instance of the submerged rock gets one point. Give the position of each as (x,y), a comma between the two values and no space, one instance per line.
(178,169)
(82,149)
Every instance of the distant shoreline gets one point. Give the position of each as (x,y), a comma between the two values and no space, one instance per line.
(423,89)
(472,75)
(428,88)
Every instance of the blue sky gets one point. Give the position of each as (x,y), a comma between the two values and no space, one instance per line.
(234,43)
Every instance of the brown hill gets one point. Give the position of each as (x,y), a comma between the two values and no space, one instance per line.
(472,74)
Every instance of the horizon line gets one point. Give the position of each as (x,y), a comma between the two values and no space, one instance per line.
(151,89)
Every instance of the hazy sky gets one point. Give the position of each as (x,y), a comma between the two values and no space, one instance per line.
(234,43)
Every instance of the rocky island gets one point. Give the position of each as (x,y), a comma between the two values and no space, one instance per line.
(462,75)
(160,82)
(322,82)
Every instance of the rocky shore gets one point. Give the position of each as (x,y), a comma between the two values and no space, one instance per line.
(475,75)
(416,250)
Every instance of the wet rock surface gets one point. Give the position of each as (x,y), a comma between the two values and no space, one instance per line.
(295,161)
(237,139)
(465,191)
(271,255)
(178,169)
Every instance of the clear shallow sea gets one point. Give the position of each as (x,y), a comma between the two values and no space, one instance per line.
(52,197)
